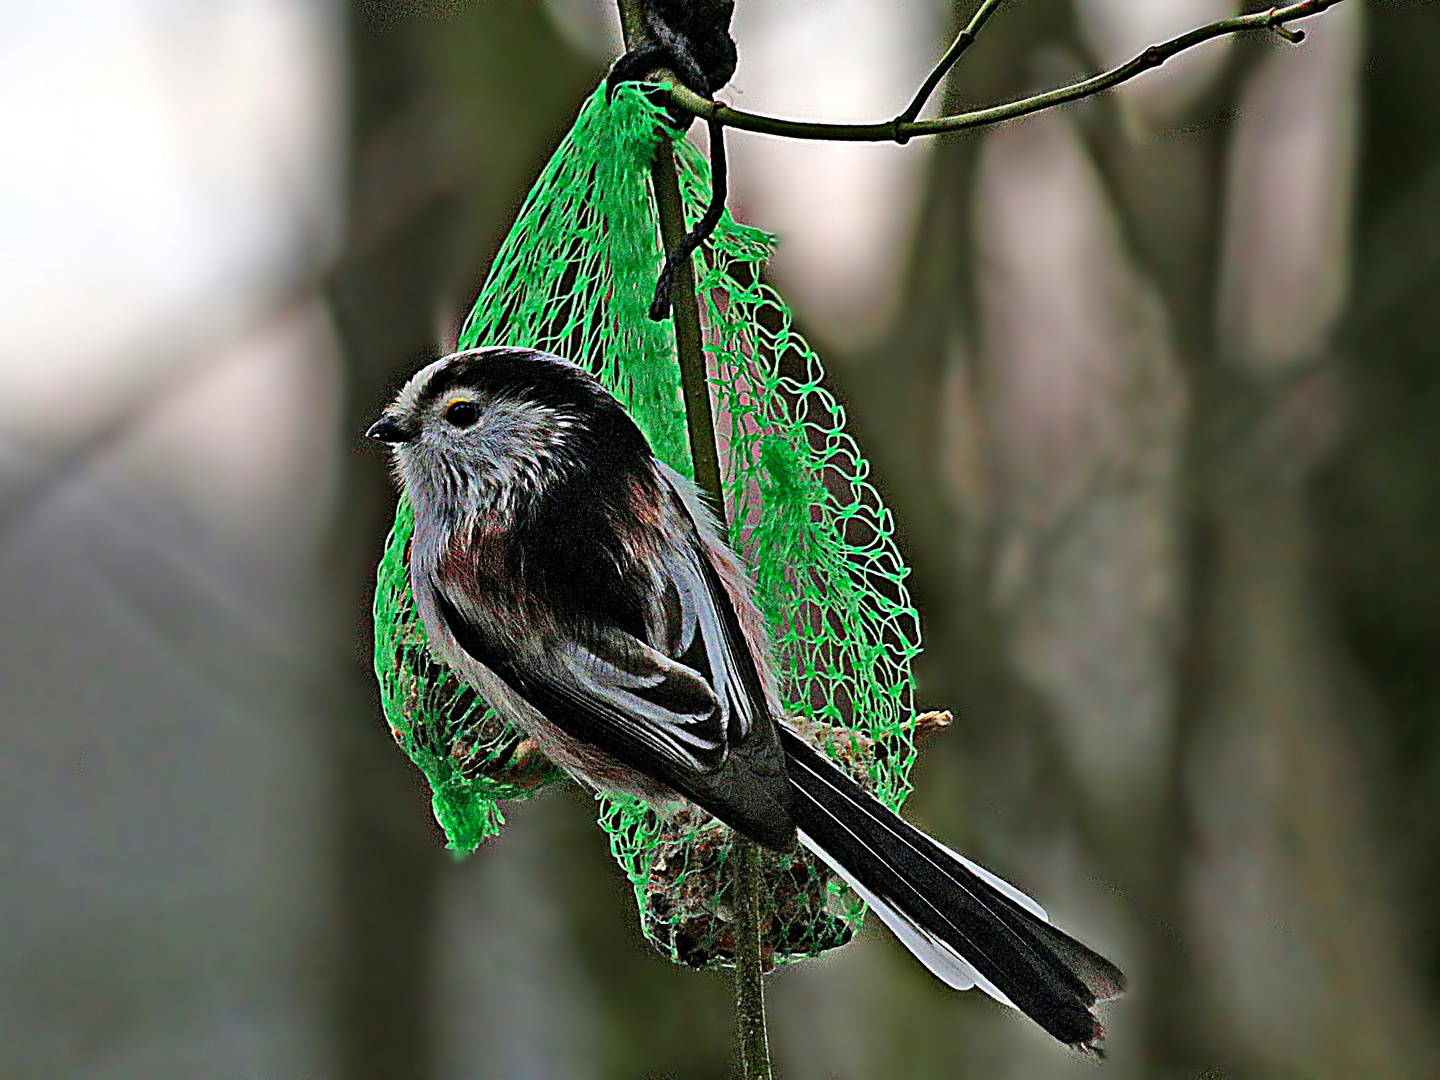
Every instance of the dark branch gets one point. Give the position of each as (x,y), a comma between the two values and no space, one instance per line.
(900,130)
(963,41)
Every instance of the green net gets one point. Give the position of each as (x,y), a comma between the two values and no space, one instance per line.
(574,277)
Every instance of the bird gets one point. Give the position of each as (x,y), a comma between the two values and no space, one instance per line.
(583,589)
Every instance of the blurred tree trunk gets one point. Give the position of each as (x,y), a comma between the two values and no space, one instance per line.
(453,113)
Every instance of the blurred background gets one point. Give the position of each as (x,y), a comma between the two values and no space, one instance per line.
(1151,384)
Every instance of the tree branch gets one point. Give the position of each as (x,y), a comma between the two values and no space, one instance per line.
(902,130)
(749,969)
(963,41)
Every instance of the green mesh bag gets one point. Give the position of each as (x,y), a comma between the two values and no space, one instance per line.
(574,277)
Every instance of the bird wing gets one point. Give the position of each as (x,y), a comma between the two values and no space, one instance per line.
(704,634)
(721,649)
(611,690)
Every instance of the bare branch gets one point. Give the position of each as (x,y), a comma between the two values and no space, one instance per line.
(901,130)
(963,41)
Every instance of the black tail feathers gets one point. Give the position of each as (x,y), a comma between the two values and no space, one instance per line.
(962,922)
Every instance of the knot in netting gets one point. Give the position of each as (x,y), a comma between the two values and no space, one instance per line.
(690,37)
(574,277)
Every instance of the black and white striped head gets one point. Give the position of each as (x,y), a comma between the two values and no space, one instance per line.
(481,431)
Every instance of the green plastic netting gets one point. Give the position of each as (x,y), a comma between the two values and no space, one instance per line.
(574,277)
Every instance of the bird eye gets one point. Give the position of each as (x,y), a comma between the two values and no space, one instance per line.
(462,413)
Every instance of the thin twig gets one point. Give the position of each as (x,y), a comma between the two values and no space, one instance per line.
(749,974)
(898,131)
(963,41)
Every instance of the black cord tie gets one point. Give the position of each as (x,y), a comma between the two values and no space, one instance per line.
(660,305)
(689,37)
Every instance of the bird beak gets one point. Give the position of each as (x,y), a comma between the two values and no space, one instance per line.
(389,430)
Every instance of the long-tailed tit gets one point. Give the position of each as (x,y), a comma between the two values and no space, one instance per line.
(582,588)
